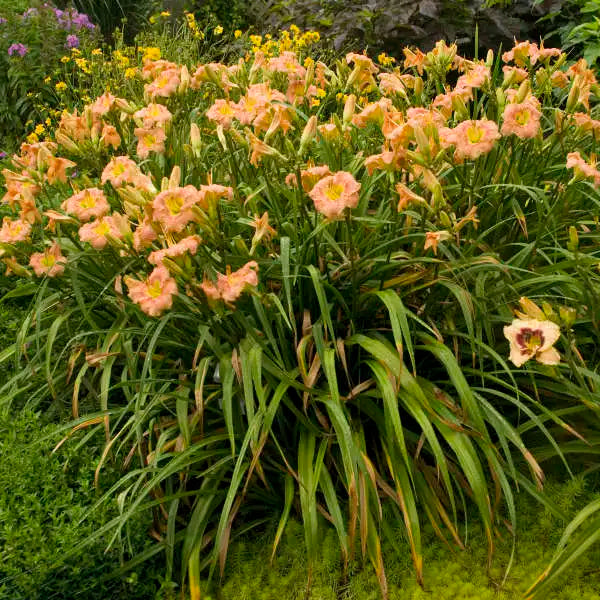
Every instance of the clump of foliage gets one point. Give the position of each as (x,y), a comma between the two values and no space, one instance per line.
(30,46)
(44,510)
(286,287)
(577,25)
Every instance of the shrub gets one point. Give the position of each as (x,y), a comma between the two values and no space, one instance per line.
(295,298)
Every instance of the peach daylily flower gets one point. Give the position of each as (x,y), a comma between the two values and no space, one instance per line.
(50,262)
(433,238)
(230,286)
(262,227)
(582,169)
(473,79)
(155,294)
(388,160)
(153,115)
(57,169)
(165,84)
(97,232)
(470,138)
(530,338)
(373,112)
(103,104)
(150,140)
(188,244)
(522,53)
(86,205)
(522,119)
(209,195)
(144,235)
(110,136)
(173,208)
(14,231)
(222,112)
(334,193)
(309,177)
(121,170)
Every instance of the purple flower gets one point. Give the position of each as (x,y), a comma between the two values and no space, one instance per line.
(82,20)
(2,20)
(19,49)
(3,155)
(72,41)
(29,12)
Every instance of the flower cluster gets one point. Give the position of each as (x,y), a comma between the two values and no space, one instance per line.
(172,225)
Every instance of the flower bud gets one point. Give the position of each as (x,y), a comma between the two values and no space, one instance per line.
(349,107)
(195,139)
(309,132)
(66,142)
(221,136)
(523,91)
(175,177)
(459,106)
(489,59)
(567,315)
(184,80)
(418,86)
(573,243)
(573,98)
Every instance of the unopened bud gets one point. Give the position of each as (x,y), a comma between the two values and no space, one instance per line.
(573,98)
(418,86)
(122,104)
(309,132)
(567,315)
(459,106)
(489,59)
(195,139)
(175,177)
(221,136)
(349,107)
(184,80)
(66,142)
(523,91)
(573,243)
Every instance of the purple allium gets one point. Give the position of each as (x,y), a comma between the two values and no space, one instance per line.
(19,49)
(3,155)
(72,41)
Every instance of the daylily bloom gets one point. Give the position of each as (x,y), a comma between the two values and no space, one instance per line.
(153,115)
(57,169)
(530,338)
(582,169)
(50,262)
(188,244)
(522,119)
(14,231)
(230,286)
(150,140)
(155,294)
(86,205)
(222,112)
(334,193)
(470,138)
(97,232)
(110,136)
(173,208)
(433,238)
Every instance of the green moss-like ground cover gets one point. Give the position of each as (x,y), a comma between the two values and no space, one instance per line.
(449,575)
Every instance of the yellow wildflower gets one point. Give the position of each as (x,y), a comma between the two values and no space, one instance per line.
(321,93)
(256,40)
(48,121)
(165,13)
(237,34)
(97,52)
(308,62)
(61,85)
(65,59)
(218,30)
(75,52)
(315,102)
(130,73)
(39,129)
(384,60)
(48,79)
(32,138)
(151,54)
(153,19)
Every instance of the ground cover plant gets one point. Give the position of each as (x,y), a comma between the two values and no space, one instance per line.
(336,291)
